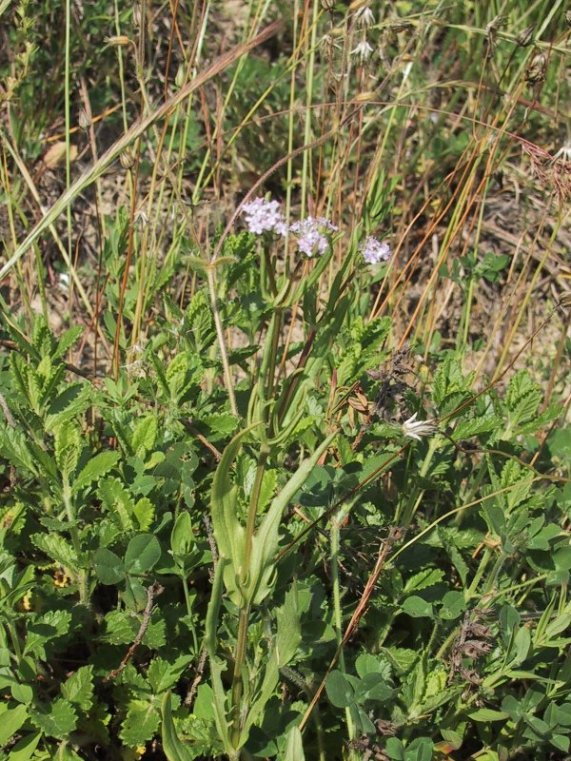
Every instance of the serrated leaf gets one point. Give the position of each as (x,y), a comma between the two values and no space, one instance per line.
(222,424)
(68,446)
(144,436)
(465,429)
(141,723)
(56,719)
(67,339)
(97,467)
(163,675)
(78,688)
(118,502)
(144,511)
(57,548)
(428,577)
(48,626)
(120,628)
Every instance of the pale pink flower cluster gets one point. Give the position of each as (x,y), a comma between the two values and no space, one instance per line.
(264,216)
(375,252)
(312,233)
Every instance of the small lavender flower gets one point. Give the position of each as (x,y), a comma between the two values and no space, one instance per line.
(311,234)
(374,251)
(264,216)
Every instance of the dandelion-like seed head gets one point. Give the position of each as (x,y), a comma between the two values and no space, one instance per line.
(264,216)
(374,251)
(416,429)
(363,51)
(364,17)
(312,234)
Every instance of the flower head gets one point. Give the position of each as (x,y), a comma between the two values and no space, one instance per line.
(363,51)
(374,251)
(264,216)
(311,234)
(364,17)
(415,429)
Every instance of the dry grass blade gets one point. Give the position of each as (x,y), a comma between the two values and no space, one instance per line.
(132,134)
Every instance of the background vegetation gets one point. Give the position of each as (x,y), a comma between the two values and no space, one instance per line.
(256,504)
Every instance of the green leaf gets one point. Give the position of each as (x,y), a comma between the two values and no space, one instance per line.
(23,693)
(420,749)
(10,722)
(453,605)
(141,722)
(395,749)
(68,447)
(488,714)
(78,688)
(108,567)
(144,512)
(265,542)
(163,675)
(339,691)
(24,748)
(223,424)
(143,553)
(428,577)
(173,748)
(96,467)
(117,501)
(56,719)
(294,746)
(144,436)
(182,538)
(417,607)
(228,531)
(49,626)
(56,548)
(289,630)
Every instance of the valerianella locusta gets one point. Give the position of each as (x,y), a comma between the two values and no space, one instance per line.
(311,234)
(374,251)
(264,216)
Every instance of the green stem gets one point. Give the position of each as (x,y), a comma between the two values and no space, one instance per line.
(335,544)
(81,573)
(413,503)
(237,681)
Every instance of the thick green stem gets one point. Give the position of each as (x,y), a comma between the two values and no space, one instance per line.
(237,681)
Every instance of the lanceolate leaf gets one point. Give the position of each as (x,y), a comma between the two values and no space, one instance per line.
(265,542)
(173,748)
(228,531)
